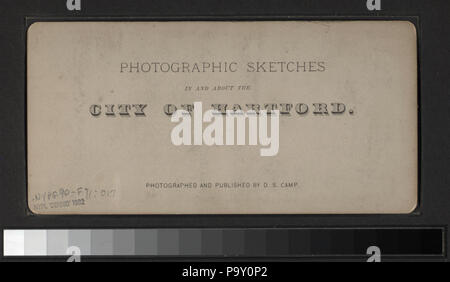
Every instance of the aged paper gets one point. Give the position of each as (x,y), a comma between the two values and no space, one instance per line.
(102,100)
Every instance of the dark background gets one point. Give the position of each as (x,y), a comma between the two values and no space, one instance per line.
(431,18)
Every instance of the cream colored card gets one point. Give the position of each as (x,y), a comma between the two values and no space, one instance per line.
(101,96)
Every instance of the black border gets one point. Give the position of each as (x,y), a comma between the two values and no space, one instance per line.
(433,55)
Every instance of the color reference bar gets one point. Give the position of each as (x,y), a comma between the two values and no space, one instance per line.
(268,242)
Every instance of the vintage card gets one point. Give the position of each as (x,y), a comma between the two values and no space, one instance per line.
(265,117)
